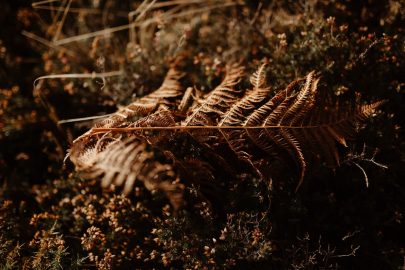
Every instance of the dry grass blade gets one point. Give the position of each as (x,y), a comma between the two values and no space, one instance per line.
(108,31)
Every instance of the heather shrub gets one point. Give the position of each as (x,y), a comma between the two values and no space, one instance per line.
(85,60)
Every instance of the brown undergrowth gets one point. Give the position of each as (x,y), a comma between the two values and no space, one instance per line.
(200,119)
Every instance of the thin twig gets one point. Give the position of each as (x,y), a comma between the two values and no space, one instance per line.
(353,253)
(80,76)
(46,42)
(364,173)
(81,119)
(39,3)
(130,129)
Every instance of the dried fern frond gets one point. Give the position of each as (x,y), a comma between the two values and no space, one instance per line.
(218,101)
(251,124)
(258,79)
(240,111)
(165,95)
(122,161)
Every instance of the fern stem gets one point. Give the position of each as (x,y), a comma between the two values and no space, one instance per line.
(129,129)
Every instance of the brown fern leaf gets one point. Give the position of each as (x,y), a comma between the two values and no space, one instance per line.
(256,118)
(291,123)
(165,96)
(98,156)
(218,101)
(123,161)
(240,110)
(143,106)
(258,79)
(169,90)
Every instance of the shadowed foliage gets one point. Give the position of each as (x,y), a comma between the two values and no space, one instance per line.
(202,134)
(293,121)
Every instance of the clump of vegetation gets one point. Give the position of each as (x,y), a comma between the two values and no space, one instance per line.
(200,200)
